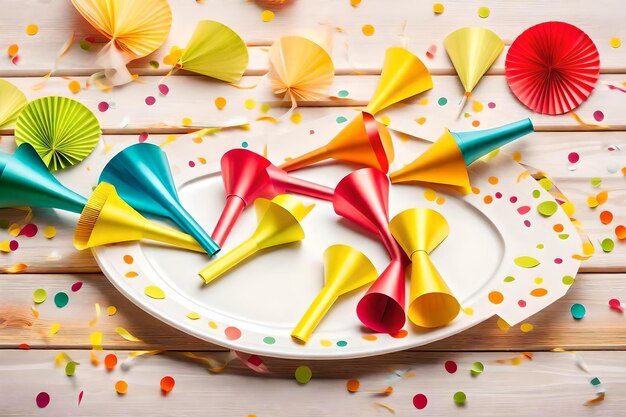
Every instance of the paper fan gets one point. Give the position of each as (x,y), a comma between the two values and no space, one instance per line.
(472,52)
(300,69)
(215,50)
(552,67)
(12,101)
(62,130)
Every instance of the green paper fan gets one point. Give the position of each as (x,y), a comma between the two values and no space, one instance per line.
(12,101)
(62,131)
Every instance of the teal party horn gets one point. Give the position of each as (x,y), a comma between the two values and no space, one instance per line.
(26,181)
(142,177)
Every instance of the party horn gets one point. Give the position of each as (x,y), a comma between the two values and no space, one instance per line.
(26,181)
(278,224)
(446,160)
(419,231)
(109,219)
(345,270)
(142,177)
(248,176)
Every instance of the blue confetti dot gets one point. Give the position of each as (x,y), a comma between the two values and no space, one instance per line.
(341,119)
(578,311)
(342,94)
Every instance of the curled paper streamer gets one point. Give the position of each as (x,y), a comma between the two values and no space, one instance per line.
(108,219)
(248,176)
(446,160)
(135,28)
(278,224)
(345,269)
(12,101)
(419,231)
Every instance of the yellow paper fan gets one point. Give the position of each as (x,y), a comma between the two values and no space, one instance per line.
(300,69)
(472,52)
(216,51)
(12,101)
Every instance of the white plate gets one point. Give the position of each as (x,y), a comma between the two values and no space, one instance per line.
(255,306)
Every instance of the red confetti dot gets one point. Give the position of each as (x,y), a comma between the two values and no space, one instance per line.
(620,232)
(30,230)
(150,100)
(255,360)
(420,401)
(615,304)
(523,210)
(192,164)
(80,397)
(103,106)
(450,366)
(598,116)
(43,399)
(24,346)
(232,333)
(513,199)
(143,136)
(77,286)
(573,157)
(167,384)
(14,245)
(164,89)
(521,303)
(110,361)
(90,39)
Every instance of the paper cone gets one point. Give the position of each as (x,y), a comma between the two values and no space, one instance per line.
(300,69)
(248,176)
(12,101)
(278,225)
(364,141)
(552,67)
(345,269)
(62,131)
(108,219)
(419,231)
(216,51)
(403,76)
(472,52)
(142,177)
(26,181)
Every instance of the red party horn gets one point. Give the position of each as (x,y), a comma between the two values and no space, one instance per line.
(248,176)
(363,198)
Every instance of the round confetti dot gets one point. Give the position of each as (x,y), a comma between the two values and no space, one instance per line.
(121,387)
(607,245)
(477,368)
(163,89)
(368,30)
(39,296)
(491,105)
(526,327)
(615,42)
(539,292)
(483,12)
(459,398)
(450,366)
(498,195)
(488,199)
(249,104)
(342,94)
(12,50)
(267,15)
(61,299)
(476,123)
(509,279)
(606,217)
(295,118)
(521,303)
(442,101)
(438,8)
(103,106)
(496,297)
(110,361)
(111,310)
(578,311)
(85,45)
(269,340)
(620,232)
(598,116)
(167,384)
(74,87)
(220,103)
(212,325)
(49,232)
(355,3)
(186,121)
(342,343)
(420,401)
(150,100)
(42,400)
(143,136)
(547,208)
(573,157)
(615,304)
(193,316)
(353,385)
(32,30)
(303,374)
(400,334)
(493,180)
(567,280)
(244,144)
(232,333)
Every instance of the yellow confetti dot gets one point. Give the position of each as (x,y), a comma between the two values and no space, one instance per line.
(468,311)
(155,292)
(193,315)
(74,86)
(477,106)
(249,104)
(96,339)
(493,180)
(212,325)
(430,194)
(12,50)
(267,15)
(326,343)
(423,102)
(5,246)
(615,42)
(538,280)
(483,12)
(111,310)
(438,8)
(197,139)
(187,121)
(421,120)
(14,230)
(55,328)
(368,30)
(517,156)
(503,325)
(32,30)
(265,107)
(526,327)
(49,232)
(296,118)
(220,103)
(441,200)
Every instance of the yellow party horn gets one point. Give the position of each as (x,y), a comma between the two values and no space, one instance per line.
(419,231)
(279,224)
(345,270)
(107,219)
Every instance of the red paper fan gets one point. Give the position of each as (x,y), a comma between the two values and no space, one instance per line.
(552,67)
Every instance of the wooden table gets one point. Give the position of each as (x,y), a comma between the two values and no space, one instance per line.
(549,383)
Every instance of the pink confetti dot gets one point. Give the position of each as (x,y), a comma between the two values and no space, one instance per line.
(14,245)
(491,105)
(143,136)
(311,132)
(232,333)
(77,286)
(450,366)
(192,164)
(527,223)
(521,303)
(558,261)
(150,100)
(598,116)
(43,399)
(420,401)
(513,199)
(164,89)
(523,210)
(30,230)
(103,106)
(573,157)
(498,195)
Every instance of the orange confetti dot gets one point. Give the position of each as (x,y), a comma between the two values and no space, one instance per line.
(32,30)
(606,217)
(368,30)
(421,120)
(624,170)
(488,199)
(475,190)
(121,387)
(74,86)
(12,50)
(400,334)
(538,292)
(557,228)
(197,139)
(517,156)
(493,180)
(602,197)
(369,337)
(620,232)
(131,274)
(220,103)
(438,8)
(128,259)
(267,15)
(495,297)
(110,361)
(353,385)
(476,123)
(441,200)
(355,3)
(167,384)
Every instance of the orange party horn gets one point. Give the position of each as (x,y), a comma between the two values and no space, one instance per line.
(419,231)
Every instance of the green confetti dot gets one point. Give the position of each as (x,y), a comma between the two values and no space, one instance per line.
(526,262)
(536,193)
(563,236)
(540,246)
(595,182)
(484,12)
(342,94)
(607,245)
(578,311)
(341,119)
(547,208)
(154,65)
(269,340)
(545,183)
(342,343)
(85,45)
(40,295)
(442,101)
(303,374)
(477,368)
(459,398)
(509,279)
(70,368)
(595,381)
(244,144)
(61,299)
(568,280)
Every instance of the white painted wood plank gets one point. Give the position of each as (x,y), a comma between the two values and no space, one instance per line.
(549,380)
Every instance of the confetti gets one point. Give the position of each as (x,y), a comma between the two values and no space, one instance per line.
(598,116)
(121,387)
(43,399)
(353,385)
(477,368)
(103,106)
(438,8)
(573,157)
(450,366)
(111,310)
(606,217)
(155,292)
(484,12)
(167,384)
(163,89)
(74,87)
(126,334)
(303,374)
(110,361)
(420,401)
(547,208)
(249,104)
(39,296)
(80,397)
(296,118)
(614,304)
(70,368)
(49,232)
(459,398)
(77,286)
(61,299)
(96,339)
(32,29)
(55,329)
(615,42)
(578,311)
(30,230)
(150,100)
(526,262)
(526,327)
(267,15)
(12,50)
(368,30)
(607,245)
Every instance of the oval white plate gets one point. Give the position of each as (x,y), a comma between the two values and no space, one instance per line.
(254,307)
